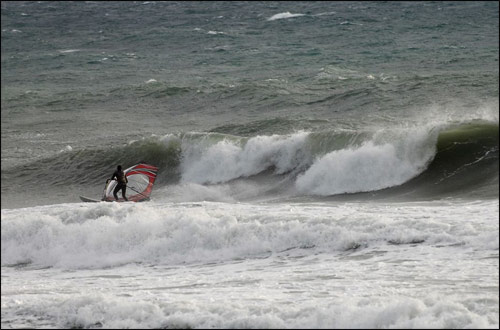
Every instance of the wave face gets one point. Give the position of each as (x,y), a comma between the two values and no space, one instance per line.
(427,162)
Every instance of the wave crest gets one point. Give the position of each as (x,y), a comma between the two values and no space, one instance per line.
(283,16)
(227,160)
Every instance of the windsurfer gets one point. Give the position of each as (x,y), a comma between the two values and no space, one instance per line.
(122,182)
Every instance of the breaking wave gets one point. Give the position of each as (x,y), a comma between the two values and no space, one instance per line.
(112,234)
(433,161)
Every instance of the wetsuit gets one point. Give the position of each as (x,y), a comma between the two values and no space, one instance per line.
(122,184)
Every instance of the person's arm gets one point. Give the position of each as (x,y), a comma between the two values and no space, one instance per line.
(113,176)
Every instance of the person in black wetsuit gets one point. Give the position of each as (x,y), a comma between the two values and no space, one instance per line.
(122,182)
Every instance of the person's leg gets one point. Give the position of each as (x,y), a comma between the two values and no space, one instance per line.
(115,192)
(123,192)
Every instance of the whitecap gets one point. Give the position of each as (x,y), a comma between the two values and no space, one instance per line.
(66,149)
(283,16)
(326,13)
(69,51)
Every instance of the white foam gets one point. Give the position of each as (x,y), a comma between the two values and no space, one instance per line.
(283,16)
(193,192)
(215,32)
(200,311)
(373,166)
(101,235)
(69,51)
(279,265)
(66,149)
(326,13)
(230,159)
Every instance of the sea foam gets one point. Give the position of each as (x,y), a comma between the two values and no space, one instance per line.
(101,235)
(283,15)
(230,159)
(372,166)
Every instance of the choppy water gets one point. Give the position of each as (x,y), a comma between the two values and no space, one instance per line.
(322,164)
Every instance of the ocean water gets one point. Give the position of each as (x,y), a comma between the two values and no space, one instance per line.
(321,164)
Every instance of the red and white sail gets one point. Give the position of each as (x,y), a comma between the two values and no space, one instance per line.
(141,178)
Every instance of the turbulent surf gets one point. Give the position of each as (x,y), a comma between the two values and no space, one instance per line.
(425,163)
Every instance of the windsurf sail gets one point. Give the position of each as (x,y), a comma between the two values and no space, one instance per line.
(141,178)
